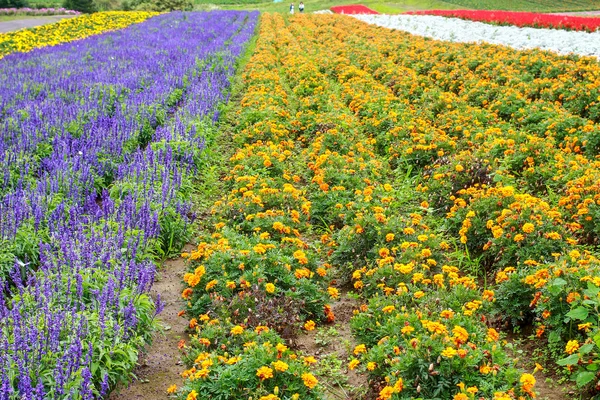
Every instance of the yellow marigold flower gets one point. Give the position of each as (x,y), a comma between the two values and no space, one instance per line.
(280,366)
(309,325)
(460,396)
(459,168)
(371,366)
(418,294)
(261,328)
(237,330)
(584,327)
(230,285)
(333,292)
(527,382)
(193,395)
(389,237)
(361,348)
(264,373)
(388,309)
(485,369)
(572,346)
(270,288)
(492,335)
(518,238)
(309,360)
(211,284)
(386,393)
(309,380)
(472,389)
(460,334)
(528,227)
(281,347)
(172,389)
(449,352)
(353,364)
(269,397)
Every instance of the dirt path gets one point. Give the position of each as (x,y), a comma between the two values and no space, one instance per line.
(159,367)
(9,26)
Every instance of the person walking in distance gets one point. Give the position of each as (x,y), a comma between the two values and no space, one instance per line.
(292,8)
(301,7)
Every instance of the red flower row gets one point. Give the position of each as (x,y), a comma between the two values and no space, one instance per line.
(520,19)
(353,9)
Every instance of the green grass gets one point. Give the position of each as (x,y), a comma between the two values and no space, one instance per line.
(398,6)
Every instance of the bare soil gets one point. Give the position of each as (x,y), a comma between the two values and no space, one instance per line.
(160,366)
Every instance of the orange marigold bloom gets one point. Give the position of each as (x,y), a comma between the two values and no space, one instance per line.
(309,380)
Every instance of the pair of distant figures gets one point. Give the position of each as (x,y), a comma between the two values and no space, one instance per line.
(300,7)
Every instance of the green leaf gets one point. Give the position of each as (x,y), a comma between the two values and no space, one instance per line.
(586,348)
(593,367)
(585,377)
(597,339)
(579,313)
(571,360)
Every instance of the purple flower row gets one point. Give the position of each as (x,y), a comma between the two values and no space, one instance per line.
(99,142)
(37,11)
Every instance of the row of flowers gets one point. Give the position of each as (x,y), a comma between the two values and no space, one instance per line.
(100,140)
(353,9)
(521,19)
(319,195)
(68,30)
(37,11)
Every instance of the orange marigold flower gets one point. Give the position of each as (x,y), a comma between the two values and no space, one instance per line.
(309,325)
(172,389)
(528,227)
(309,380)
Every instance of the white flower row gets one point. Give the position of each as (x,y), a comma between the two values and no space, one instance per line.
(458,30)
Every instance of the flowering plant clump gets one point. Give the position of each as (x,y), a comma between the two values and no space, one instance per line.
(98,160)
(220,353)
(68,30)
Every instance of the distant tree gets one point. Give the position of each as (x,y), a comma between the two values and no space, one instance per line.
(172,5)
(84,6)
(13,3)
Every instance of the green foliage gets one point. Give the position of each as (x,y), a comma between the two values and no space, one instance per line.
(13,3)
(158,5)
(84,6)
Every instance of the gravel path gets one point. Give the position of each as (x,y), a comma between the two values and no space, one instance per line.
(458,30)
(9,26)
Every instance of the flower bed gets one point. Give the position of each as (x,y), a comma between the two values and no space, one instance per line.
(68,30)
(353,9)
(521,19)
(457,30)
(100,140)
(37,11)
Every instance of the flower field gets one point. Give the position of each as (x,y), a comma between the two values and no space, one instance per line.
(398,166)
(442,196)
(520,19)
(100,140)
(67,30)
